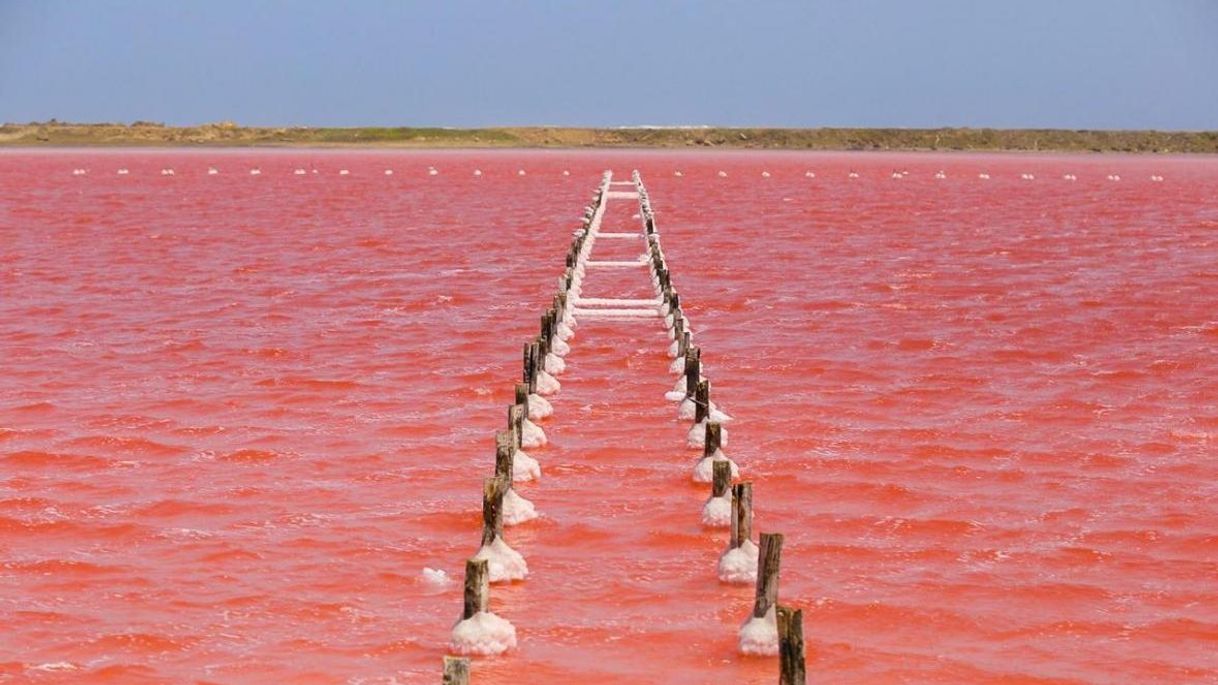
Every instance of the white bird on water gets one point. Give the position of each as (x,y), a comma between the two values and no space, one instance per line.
(566,173)
(122,172)
(167,172)
(940,175)
(212,171)
(853,174)
(432,171)
(722,174)
(677,173)
(343,172)
(255,171)
(983,176)
(79,172)
(809,174)
(765,174)
(299,172)
(1156,178)
(477,172)
(389,172)
(897,174)
(520,172)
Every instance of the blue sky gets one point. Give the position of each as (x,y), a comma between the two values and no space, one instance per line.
(1025,63)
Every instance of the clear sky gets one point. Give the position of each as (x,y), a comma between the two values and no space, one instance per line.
(1005,63)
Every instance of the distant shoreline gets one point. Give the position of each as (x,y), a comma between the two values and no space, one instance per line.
(57,134)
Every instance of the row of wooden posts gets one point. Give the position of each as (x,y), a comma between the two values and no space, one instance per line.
(708,434)
(555,326)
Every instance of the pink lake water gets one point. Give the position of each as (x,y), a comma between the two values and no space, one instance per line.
(240,414)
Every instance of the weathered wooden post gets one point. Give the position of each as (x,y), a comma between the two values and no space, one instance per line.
(504,563)
(516,509)
(693,370)
(742,515)
(717,512)
(478,631)
(477,588)
(702,402)
(791,665)
(524,467)
(712,455)
(522,396)
(738,563)
(759,635)
(456,670)
(530,433)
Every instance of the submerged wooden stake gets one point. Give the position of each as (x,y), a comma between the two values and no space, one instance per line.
(456,670)
(722,479)
(714,439)
(769,555)
(702,401)
(492,508)
(477,587)
(791,665)
(742,513)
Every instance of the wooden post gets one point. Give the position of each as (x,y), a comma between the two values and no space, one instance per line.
(529,377)
(477,587)
(791,666)
(693,370)
(722,479)
(492,508)
(769,555)
(456,670)
(714,439)
(534,363)
(522,396)
(742,514)
(683,347)
(516,423)
(702,401)
(505,454)
(674,301)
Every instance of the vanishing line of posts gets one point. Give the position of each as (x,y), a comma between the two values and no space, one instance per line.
(770,628)
(495,560)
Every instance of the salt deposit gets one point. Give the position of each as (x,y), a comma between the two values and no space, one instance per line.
(539,407)
(524,467)
(531,435)
(435,576)
(738,565)
(517,509)
(483,634)
(503,563)
(760,635)
(717,512)
(547,384)
(704,470)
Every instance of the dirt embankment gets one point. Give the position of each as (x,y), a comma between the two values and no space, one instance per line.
(58,134)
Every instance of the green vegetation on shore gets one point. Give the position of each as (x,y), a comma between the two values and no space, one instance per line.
(227,134)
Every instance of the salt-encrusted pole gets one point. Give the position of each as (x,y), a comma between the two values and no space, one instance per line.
(479,631)
(530,433)
(524,467)
(738,564)
(791,665)
(759,634)
(717,512)
(505,563)
(456,670)
(516,509)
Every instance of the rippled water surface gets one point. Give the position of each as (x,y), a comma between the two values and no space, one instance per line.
(240,414)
